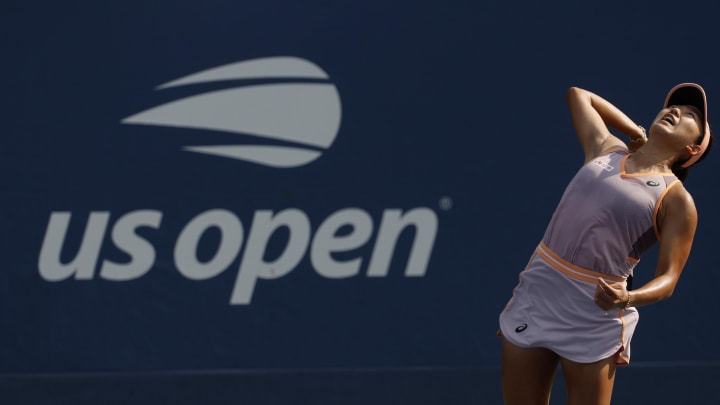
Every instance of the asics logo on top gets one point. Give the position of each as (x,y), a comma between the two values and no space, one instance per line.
(293,119)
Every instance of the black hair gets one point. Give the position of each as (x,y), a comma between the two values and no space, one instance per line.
(682,172)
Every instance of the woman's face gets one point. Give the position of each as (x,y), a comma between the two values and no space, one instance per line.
(682,122)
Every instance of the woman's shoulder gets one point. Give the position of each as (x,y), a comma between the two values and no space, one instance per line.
(616,151)
(677,211)
(612,152)
(678,199)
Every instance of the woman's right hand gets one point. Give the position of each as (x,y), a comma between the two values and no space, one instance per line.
(637,142)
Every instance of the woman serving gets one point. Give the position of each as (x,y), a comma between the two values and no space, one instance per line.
(572,305)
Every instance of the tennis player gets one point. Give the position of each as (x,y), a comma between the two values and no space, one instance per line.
(573,306)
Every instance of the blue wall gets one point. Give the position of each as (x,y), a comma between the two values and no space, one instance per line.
(425,143)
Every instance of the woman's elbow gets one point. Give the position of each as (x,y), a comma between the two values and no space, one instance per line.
(667,292)
(574,93)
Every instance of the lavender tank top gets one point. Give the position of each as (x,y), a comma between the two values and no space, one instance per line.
(606,218)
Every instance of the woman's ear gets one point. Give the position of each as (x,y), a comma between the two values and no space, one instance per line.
(693,149)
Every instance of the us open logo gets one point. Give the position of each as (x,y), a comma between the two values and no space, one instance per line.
(291,113)
(293,120)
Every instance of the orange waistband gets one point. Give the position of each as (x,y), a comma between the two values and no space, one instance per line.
(571,270)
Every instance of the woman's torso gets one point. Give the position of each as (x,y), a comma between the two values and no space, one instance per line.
(606,218)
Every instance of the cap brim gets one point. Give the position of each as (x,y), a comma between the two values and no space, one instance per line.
(688,94)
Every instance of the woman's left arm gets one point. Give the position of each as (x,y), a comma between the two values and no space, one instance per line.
(677,219)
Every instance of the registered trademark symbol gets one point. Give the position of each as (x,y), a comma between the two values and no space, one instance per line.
(446,203)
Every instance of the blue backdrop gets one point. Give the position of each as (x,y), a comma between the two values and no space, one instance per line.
(330,196)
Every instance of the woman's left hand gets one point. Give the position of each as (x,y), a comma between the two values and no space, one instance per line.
(609,296)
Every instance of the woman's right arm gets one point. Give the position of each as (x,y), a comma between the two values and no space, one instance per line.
(592,115)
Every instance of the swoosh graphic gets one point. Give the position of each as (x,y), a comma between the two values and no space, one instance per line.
(273,156)
(264,68)
(306,114)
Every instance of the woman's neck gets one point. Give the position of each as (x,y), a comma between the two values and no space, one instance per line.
(648,160)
